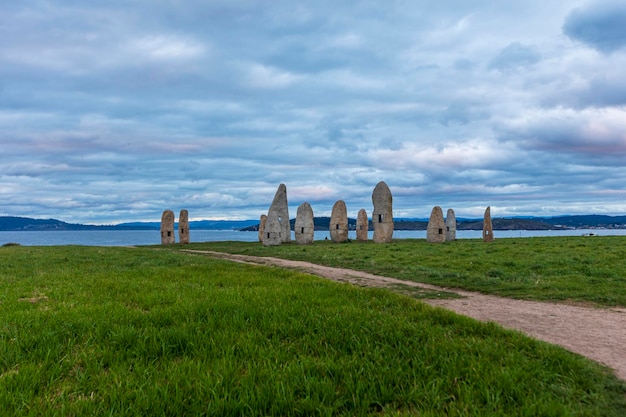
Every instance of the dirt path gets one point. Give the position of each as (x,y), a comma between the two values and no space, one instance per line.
(597,333)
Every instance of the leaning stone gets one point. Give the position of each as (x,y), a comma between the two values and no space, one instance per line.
(487,226)
(280,206)
(450,226)
(183,227)
(362,226)
(436,226)
(304,227)
(382,216)
(262,221)
(167,228)
(272,230)
(339,222)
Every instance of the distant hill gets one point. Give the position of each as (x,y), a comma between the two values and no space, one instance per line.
(322,223)
(513,223)
(589,221)
(10,223)
(201,224)
(510,224)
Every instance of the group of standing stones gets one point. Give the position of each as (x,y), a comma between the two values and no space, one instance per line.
(440,230)
(274,228)
(167,227)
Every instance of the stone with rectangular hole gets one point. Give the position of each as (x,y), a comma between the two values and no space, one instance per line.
(362,226)
(304,227)
(339,222)
(183,227)
(382,216)
(167,228)
(436,230)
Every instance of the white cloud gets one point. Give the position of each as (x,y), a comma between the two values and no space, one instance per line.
(167,47)
(266,77)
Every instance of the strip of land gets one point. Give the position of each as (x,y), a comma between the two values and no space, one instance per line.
(596,333)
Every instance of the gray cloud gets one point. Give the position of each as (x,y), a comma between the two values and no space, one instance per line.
(599,24)
(515,55)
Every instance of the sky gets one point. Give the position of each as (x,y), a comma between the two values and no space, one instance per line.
(113,111)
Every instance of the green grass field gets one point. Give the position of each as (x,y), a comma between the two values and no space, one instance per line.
(575,269)
(145,331)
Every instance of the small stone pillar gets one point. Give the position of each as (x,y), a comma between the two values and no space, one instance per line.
(183,227)
(382,216)
(167,228)
(487,226)
(450,226)
(304,227)
(272,230)
(435,232)
(262,221)
(339,222)
(362,226)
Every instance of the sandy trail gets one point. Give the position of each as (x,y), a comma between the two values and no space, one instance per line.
(597,333)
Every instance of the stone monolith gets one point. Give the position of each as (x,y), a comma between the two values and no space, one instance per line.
(487,226)
(183,227)
(382,216)
(272,231)
(339,222)
(280,206)
(362,226)
(450,226)
(304,228)
(167,228)
(262,221)
(435,232)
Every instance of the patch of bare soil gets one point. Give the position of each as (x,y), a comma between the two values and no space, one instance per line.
(597,333)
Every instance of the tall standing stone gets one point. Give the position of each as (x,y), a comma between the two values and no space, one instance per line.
(272,231)
(280,206)
(436,226)
(167,228)
(362,226)
(487,226)
(339,222)
(450,226)
(262,221)
(382,216)
(183,227)
(304,228)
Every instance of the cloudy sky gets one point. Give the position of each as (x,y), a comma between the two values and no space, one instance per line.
(112,111)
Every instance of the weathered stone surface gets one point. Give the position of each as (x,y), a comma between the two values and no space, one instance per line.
(487,226)
(262,221)
(382,216)
(339,222)
(280,206)
(183,227)
(304,228)
(362,225)
(450,226)
(272,231)
(167,228)
(435,232)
